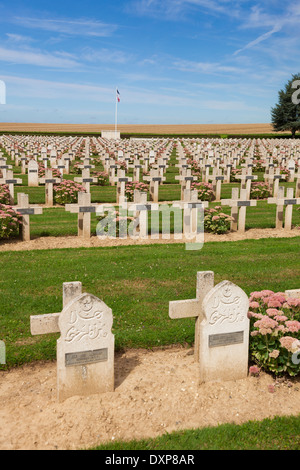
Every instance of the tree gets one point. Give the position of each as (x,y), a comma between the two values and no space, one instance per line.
(286,113)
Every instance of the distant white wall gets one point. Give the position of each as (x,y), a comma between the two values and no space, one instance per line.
(110,135)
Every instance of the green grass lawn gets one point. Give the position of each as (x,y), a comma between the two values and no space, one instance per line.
(280,433)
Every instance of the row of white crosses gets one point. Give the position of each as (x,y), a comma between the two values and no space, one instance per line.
(191,206)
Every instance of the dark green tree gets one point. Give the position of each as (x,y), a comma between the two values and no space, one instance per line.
(286,113)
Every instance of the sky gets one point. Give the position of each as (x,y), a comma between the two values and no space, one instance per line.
(173,61)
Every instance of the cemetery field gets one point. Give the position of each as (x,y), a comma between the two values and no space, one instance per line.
(62,287)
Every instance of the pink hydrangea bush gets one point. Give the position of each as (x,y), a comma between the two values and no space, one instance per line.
(215,221)
(103,177)
(260,190)
(275,332)
(10,221)
(205,191)
(67,191)
(4,194)
(131,186)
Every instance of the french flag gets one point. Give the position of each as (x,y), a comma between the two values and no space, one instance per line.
(118,95)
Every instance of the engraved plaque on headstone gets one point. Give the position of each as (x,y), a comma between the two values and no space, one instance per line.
(86,357)
(225,339)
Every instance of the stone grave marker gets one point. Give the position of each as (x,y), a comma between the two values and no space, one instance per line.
(238,208)
(193,308)
(86,179)
(49,181)
(84,209)
(11,181)
(33,173)
(224,334)
(222,328)
(85,349)
(26,211)
(288,202)
(155,180)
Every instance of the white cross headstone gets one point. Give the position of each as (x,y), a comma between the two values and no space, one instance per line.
(238,208)
(222,328)
(224,334)
(288,202)
(48,181)
(84,209)
(26,211)
(85,349)
(11,181)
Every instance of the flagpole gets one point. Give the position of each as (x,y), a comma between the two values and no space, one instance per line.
(116,115)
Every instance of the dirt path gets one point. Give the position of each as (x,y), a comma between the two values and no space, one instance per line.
(45,243)
(155,392)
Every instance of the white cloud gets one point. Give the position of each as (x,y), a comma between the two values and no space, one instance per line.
(74,27)
(37,58)
(203,67)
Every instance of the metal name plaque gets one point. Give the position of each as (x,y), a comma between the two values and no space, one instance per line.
(225,339)
(288,202)
(243,203)
(26,211)
(86,357)
(87,209)
(143,207)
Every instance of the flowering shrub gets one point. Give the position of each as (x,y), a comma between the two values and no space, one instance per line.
(67,192)
(216,221)
(42,169)
(259,164)
(4,194)
(131,186)
(274,331)
(76,167)
(122,165)
(260,191)
(194,166)
(10,221)
(205,191)
(103,177)
(235,172)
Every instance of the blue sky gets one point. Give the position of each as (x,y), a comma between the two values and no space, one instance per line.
(173,61)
